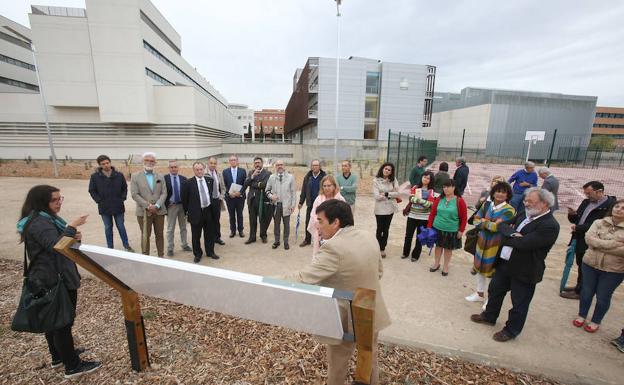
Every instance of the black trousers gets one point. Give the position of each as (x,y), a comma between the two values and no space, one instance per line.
(206,225)
(579,254)
(254,218)
(383,225)
(215,204)
(413,225)
(235,210)
(308,237)
(61,341)
(521,296)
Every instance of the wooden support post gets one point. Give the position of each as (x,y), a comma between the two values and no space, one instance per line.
(363,312)
(135,330)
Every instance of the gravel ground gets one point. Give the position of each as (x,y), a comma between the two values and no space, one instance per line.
(192,346)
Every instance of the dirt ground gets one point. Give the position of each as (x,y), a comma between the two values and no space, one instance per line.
(428,311)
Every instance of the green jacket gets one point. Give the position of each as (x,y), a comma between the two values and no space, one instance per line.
(416,175)
(348,187)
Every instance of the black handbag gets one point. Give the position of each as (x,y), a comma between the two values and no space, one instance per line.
(470,245)
(47,309)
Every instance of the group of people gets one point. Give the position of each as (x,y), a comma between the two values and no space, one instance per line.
(512,243)
(200,199)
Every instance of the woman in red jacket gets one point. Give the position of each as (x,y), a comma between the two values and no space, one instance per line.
(448,217)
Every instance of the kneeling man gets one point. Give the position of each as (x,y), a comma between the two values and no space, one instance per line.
(348,259)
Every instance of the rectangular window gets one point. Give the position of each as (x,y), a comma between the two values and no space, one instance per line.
(16,62)
(370,108)
(157,77)
(372,83)
(370,130)
(17,83)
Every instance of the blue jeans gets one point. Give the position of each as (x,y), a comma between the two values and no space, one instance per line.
(602,284)
(108,229)
(517,202)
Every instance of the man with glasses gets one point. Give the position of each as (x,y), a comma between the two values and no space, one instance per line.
(596,206)
(256,199)
(149,191)
(282,192)
(235,196)
(309,191)
(175,211)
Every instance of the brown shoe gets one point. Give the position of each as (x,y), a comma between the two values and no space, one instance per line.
(569,288)
(502,336)
(304,244)
(480,320)
(569,295)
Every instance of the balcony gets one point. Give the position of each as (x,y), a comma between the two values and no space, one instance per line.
(313,88)
(312,114)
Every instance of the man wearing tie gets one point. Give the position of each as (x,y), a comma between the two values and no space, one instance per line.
(235,200)
(217,197)
(175,211)
(282,192)
(256,181)
(520,265)
(196,200)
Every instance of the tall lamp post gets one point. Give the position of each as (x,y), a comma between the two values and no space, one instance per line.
(338,2)
(45,110)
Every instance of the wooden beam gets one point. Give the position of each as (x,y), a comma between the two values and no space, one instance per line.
(135,330)
(363,311)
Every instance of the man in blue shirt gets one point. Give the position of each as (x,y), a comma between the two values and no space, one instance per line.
(522,180)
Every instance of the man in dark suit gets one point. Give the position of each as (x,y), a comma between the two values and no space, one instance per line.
(461,175)
(309,191)
(217,196)
(235,200)
(258,210)
(196,194)
(175,211)
(520,265)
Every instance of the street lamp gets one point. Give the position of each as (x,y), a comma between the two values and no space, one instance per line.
(45,109)
(338,2)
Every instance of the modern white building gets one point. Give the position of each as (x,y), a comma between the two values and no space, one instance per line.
(244,115)
(114,81)
(17,71)
(374,97)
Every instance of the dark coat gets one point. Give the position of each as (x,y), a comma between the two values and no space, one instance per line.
(597,213)
(552,184)
(306,195)
(108,192)
(241,175)
(41,234)
(256,186)
(191,201)
(182,180)
(461,179)
(527,261)
(440,178)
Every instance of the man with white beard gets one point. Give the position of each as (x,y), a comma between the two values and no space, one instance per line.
(520,265)
(149,191)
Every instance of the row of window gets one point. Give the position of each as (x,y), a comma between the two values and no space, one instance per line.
(19,84)
(609,115)
(16,62)
(248,117)
(600,125)
(157,77)
(14,40)
(270,127)
(168,62)
(261,118)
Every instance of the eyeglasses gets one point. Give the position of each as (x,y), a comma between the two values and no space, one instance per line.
(59,199)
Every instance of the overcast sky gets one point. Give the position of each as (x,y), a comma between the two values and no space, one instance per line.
(249,49)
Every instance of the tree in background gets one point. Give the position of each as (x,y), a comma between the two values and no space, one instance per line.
(602,143)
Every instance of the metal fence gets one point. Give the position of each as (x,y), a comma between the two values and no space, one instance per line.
(404,150)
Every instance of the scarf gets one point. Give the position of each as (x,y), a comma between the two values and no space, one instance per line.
(58,221)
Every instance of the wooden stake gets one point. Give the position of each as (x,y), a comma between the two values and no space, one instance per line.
(135,329)
(363,311)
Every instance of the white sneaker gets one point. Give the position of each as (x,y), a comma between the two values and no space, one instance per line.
(484,305)
(474,297)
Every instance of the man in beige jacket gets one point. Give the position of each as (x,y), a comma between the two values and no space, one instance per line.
(348,259)
(149,191)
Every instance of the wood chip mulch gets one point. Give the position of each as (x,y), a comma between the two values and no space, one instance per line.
(193,346)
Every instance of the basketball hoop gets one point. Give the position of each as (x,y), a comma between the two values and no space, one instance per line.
(533,137)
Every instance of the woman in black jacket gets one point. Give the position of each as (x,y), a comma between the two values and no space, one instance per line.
(40,229)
